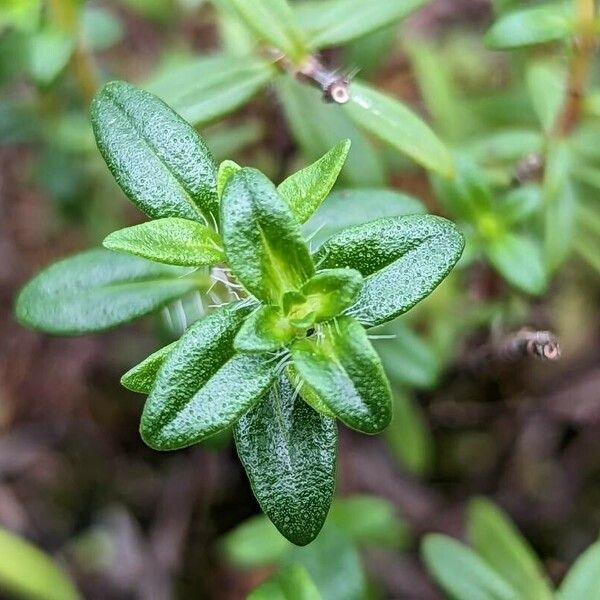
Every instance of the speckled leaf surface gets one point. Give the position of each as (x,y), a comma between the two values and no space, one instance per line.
(158,159)
(263,241)
(344,370)
(141,378)
(171,240)
(96,290)
(266,329)
(226,169)
(402,259)
(203,386)
(306,189)
(289,453)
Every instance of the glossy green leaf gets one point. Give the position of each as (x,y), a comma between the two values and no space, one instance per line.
(519,260)
(138,136)
(369,520)
(307,393)
(254,543)
(331,291)
(461,573)
(306,189)
(263,241)
(171,240)
(342,368)
(408,436)
(530,26)
(226,169)
(289,452)
(394,123)
(28,572)
(266,329)
(333,563)
(334,22)
(583,578)
(499,543)
(97,290)
(317,126)
(204,89)
(141,378)
(345,208)
(203,387)
(273,22)
(292,583)
(402,259)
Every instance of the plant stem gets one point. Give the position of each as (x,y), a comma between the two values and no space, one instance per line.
(584,45)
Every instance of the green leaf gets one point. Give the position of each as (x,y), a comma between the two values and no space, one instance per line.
(508,145)
(203,387)
(334,22)
(333,563)
(547,82)
(308,395)
(263,241)
(28,572)
(394,123)
(292,583)
(254,543)
(499,543)
(273,22)
(461,573)
(408,435)
(402,259)
(560,227)
(537,25)
(204,89)
(289,452)
(583,579)
(369,520)
(331,291)
(141,378)
(306,189)
(97,290)
(226,169)
(266,329)
(171,240)
(49,53)
(345,208)
(157,158)
(520,203)
(342,368)
(100,27)
(519,260)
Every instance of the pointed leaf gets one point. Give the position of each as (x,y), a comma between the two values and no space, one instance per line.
(292,583)
(394,123)
(263,241)
(461,573)
(204,89)
(266,329)
(203,387)
(226,169)
(499,543)
(306,189)
(97,290)
(289,452)
(307,393)
(583,579)
(141,378)
(342,368)
(172,241)
(157,158)
(402,259)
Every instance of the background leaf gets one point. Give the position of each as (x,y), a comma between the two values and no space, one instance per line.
(97,290)
(293,583)
(583,579)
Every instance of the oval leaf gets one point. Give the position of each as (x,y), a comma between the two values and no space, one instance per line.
(141,378)
(289,453)
(97,290)
(226,169)
(158,159)
(345,372)
(292,583)
(263,242)
(172,241)
(203,387)
(397,125)
(403,259)
(306,189)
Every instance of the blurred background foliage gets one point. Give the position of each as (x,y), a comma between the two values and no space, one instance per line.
(510,92)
